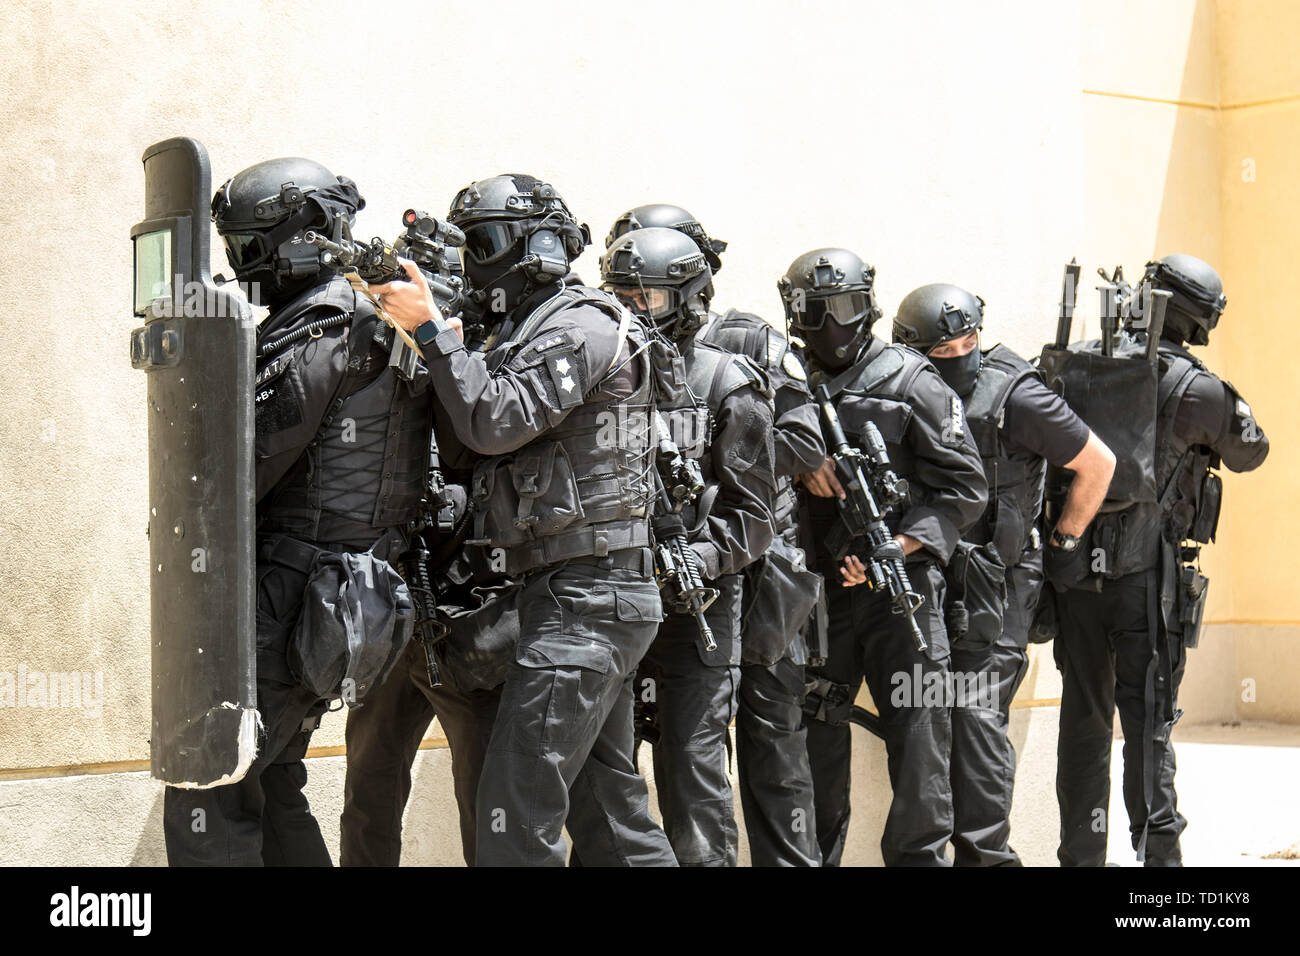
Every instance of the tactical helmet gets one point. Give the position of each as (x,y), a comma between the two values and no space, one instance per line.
(662,274)
(830,302)
(937,313)
(262,213)
(1197,296)
(668,216)
(516,224)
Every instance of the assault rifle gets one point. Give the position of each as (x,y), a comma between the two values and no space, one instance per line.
(376,261)
(676,572)
(435,539)
(869,483)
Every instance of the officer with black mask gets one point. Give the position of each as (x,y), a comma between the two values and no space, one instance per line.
(331,504)
(1133,598)
(561,409)
(775,782)
(830,302)
(723,420)
(1019,426)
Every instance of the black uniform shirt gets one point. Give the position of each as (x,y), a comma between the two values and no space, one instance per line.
(1211,413)
(1037,421)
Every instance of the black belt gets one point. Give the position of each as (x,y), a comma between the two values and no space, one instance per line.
(628,559)
(301,555)
(289,552)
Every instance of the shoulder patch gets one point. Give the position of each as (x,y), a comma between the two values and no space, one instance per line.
(566,375)
(953,433)
(276,402)
(793,367)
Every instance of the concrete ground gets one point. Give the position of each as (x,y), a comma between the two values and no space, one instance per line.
(1236,784)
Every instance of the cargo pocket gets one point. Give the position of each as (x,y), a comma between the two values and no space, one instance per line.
(930,615)
(579,672)
(632,605)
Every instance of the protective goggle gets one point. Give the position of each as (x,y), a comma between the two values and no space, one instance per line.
(843,308)
(489,242)
(244,249)
(653,301)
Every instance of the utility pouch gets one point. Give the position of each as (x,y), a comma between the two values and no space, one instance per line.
(977,595)
(1044,626)
(524,496)
(1193,589)
(1206,520)
(780,594)
(357,616)
(668,369)
(481,636)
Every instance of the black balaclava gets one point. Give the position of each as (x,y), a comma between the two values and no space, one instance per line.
(836,346)
(961,372)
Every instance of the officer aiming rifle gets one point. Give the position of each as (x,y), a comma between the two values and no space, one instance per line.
(865,475)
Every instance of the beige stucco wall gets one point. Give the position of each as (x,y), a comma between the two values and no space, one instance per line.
(944,141)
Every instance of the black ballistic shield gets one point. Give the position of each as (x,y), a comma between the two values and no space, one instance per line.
(196,348)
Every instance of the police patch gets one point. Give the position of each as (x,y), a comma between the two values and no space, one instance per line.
(566,375)
(277,407)
(793,367)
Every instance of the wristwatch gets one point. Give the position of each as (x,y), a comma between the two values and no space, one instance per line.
(436,335)
(1063,542)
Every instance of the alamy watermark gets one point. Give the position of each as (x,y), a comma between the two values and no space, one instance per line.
(76,690)
(947,689)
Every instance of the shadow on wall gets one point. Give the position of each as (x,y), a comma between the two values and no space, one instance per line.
(151,850)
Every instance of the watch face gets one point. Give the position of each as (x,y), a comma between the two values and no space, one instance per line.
(427,332)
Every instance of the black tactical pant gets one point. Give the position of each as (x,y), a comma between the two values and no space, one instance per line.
(867,640)
(775,779)
(383,737)
(983,760)
(694,699)
(563,733)
(264,819)
(1113,650)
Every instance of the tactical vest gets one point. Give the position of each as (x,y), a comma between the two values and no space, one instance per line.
(711,376)
(365,470)
(878,390)
(1015,480)
(583,488)
(743,333)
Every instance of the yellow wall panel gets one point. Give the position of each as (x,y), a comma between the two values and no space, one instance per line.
(1257,50)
